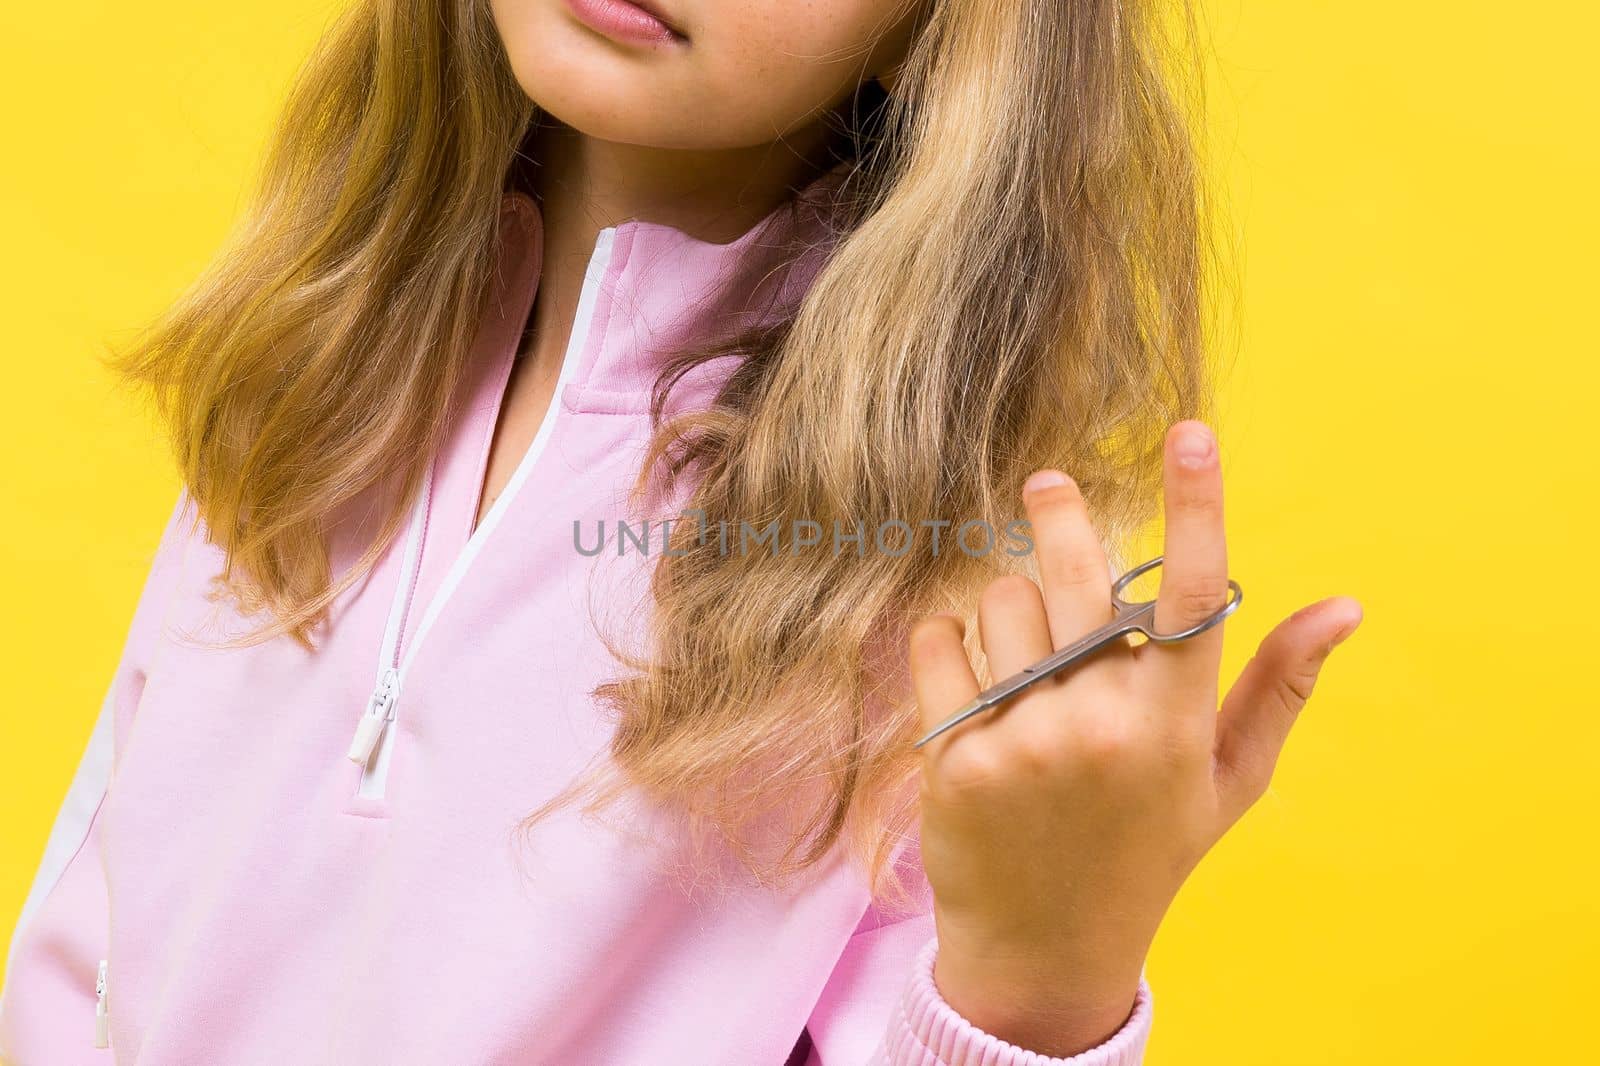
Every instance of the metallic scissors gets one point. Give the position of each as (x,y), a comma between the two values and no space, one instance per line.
(1130,618)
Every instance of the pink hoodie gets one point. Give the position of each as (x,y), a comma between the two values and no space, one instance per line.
(223,886)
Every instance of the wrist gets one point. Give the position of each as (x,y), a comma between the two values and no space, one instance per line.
(1036,1000)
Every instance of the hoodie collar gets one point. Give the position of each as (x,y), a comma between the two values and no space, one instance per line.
(657,290)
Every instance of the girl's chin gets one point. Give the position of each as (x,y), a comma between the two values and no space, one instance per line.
(643,128)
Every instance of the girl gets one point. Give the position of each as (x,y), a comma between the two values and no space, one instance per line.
(419,752)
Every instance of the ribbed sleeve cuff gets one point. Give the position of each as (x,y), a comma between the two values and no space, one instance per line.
(926,1031)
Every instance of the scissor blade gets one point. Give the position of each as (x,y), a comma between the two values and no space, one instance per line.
(977,706)
(1049,666)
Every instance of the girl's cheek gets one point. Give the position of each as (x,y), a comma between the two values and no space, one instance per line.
(790,58)
(815,41)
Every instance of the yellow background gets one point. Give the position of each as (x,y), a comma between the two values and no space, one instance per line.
(1406,420)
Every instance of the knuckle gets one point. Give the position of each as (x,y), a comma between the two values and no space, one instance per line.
(1198,499)
(1078,571)
(1106,740)
(1294,687)
(1040,752)
(1198,596)
(965,769)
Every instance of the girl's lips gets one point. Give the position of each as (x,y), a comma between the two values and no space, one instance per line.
(624,21)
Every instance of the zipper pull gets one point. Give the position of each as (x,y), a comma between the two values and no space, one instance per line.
(380,709)
(102,1022)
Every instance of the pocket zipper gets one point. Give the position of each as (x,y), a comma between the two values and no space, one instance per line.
(102,1021)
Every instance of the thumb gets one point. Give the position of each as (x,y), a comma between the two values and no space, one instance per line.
(1263,705)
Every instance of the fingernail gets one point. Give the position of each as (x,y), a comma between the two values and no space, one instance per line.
(1195,446)
(1349,626)
(1350,610)
(1044,479)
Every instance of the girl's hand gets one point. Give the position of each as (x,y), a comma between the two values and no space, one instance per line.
(1057,829)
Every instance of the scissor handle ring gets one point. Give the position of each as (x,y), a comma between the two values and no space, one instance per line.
(1236,597)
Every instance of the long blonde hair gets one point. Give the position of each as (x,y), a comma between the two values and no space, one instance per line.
(1018,283)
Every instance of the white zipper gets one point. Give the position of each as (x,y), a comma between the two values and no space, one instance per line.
(374,735)
(380,709)
(102,1020)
